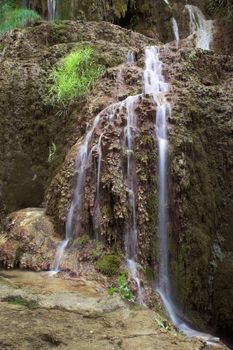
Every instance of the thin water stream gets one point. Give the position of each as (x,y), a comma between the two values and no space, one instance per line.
(51,9)
(155,84)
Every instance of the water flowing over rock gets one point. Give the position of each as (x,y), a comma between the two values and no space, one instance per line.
(51,9)
(202,27)
(140,167)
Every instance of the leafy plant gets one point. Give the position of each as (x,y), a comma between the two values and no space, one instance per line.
(11,18)
(192,55)
(74,76)
(122,288)
(162,324)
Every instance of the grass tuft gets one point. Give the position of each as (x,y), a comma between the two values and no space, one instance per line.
(15,18)
(74,76)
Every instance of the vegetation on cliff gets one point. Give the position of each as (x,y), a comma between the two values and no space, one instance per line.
(11,18)
(74,76)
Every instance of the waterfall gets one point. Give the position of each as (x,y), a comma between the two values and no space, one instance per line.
(73,222)
(131,234)
(167,2)
(51,4)
(130,59)
(175,29)
(198,24)
(154,83)
(97,216)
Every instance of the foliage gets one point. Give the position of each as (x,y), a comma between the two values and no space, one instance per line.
(162,324)
(74,76)
(108,264)
(11,18)
(18,300)
(122,288)
(192,55)
(221,8)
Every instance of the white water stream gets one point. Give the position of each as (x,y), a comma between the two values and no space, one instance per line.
(51,4)
(155,84)
(131,234)
(201,26)
(175,29)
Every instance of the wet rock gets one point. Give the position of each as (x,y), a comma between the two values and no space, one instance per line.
(28,240)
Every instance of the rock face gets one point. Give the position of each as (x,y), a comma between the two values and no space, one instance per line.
(29,126)
(200,130)
(28,241)
(201,184)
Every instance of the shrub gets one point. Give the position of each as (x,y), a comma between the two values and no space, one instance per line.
(13,18)
(108,265)
(74,76)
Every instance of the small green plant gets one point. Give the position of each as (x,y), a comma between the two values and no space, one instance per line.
(52,151)
(192,55)
(108,264)
(74,76)
(162,324)
(83,240)
(123,289)
(18,300)
(11,18)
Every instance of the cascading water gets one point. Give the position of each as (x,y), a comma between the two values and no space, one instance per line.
(51,9)
(175,29)
(131,235)
(198,24)
(97,217)
(73,223)
(130,59)
(155,84)
(73,228)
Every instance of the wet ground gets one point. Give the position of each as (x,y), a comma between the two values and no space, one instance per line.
(40,312)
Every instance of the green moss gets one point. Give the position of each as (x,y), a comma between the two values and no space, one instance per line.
(155,249)
(120,8)
(18,300)
(83,240)
(149,274)
(108,265)
(19,252)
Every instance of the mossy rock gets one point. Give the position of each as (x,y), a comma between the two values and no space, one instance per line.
(18,300)
(108,265)
(83,240)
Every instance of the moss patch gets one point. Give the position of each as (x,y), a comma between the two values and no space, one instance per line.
(18,300)
(108,265)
